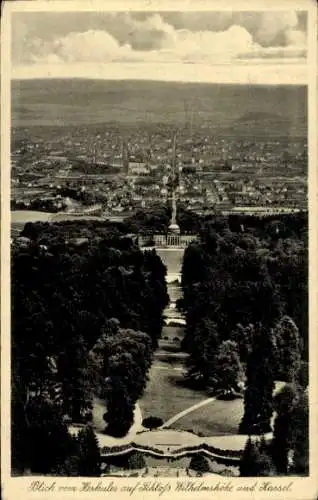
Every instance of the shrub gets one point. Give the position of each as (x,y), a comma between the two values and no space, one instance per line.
(136,461)
(152,422)
(227,396)
(199,464)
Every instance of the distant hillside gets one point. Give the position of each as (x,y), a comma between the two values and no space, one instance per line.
(222,107)
(255,123)
(260,116)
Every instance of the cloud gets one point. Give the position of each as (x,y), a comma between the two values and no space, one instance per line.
(266,28)
(76,47)
(296,38)
(269,28)
(157,41)
(122,33)
(186,45)
(151,33)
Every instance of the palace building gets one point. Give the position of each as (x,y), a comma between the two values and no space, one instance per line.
(173,238)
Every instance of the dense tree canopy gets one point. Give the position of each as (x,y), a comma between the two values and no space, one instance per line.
(245,280)
(154,220)
(69,296)
(241,273)
(87,313)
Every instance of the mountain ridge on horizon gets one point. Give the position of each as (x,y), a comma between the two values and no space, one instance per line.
(50,101)
(156,81)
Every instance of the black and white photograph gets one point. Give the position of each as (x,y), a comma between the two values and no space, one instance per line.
(159,245)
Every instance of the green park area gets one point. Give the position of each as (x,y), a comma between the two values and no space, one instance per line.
(165,395)
(92,349)
(216,418)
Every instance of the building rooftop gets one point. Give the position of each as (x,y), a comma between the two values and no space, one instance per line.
(174,228)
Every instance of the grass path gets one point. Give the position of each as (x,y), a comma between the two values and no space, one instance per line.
(169,368)
(181,414)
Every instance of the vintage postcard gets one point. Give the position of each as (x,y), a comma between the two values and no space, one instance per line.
(158,259)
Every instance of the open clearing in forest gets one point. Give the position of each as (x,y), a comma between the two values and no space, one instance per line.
(164,395)
(216,418)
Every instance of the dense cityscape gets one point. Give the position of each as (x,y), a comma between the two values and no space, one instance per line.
(116,172)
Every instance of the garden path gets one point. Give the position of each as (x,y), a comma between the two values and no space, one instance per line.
(181,414)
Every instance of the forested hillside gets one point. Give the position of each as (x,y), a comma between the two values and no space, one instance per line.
(86,317)
(245,299)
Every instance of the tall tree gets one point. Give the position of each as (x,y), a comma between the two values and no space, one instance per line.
(228,368)
(120,410)
(243,336)
(288,349)
(89,453)
(255,461)
(290,445)
(77,378)
(283,427)
(203,348)
(300,436)
(47,436)
(250,457)
(125,361)
(258,399)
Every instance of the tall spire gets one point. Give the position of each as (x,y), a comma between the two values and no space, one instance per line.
(173,223)
(174,210)
(174,154)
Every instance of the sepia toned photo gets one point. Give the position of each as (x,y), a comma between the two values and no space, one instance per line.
(159,246)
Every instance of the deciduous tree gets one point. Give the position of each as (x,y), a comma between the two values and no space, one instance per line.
(228,368)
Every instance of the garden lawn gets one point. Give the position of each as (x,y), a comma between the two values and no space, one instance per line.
(216,418)
(163,396)
(172,332)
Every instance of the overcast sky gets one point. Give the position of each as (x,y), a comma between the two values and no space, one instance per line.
(260,47)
